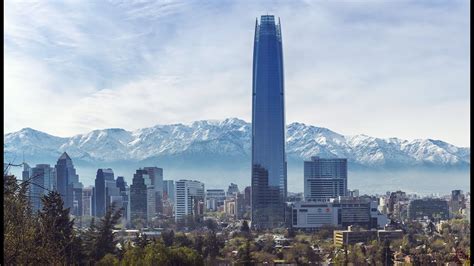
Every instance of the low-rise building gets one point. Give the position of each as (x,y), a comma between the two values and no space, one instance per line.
(431,208)
(340,212)
(352,236)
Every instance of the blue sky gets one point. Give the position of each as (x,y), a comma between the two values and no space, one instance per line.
(385,69)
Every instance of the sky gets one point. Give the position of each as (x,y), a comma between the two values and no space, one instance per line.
(380,68)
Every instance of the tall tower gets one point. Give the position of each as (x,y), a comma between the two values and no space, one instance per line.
(268,127)
(65,179)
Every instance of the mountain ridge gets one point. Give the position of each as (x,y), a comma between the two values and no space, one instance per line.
(231,137)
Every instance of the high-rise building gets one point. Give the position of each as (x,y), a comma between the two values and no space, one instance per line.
(104,180)
(248,196)
(150,196)
(40,184)
(456,202)
(26,175)
(325,178)
(121,184)
(189,199)
(214,199)
(269,185)
(87,201)
(77,197)
(124,193)
(168,190)
(66,177)
(232,190)
(138,198)
(156,177)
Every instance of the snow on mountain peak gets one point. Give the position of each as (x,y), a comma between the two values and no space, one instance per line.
(232,136)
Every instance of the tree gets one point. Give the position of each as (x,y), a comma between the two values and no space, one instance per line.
(107,260)
(181,240)
(244,254)
(387,254)
(103,237)
(212,245)
(211,224)
(156,254)
(55,231)
(19,223)
(184,256)
(199,243)
(168,237)
(245,227)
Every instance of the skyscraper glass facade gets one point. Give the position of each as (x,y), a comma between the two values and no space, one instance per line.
(269,185)
(65,179)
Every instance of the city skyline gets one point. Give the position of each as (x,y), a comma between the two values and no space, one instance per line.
(80,70)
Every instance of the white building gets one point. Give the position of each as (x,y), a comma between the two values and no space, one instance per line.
(343,211)
(188,196)
(151,197)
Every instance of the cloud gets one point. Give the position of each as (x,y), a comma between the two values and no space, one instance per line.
(378,68)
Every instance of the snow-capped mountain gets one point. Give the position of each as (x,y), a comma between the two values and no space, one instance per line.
(231,138)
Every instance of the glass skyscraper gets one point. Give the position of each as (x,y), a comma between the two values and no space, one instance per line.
(268,127)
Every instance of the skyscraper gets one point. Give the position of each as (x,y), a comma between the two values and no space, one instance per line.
(189,199)
(268,127)
(138,198)
(41,176)
(156,177)
(65,179)
(168,190)
(325,178)
(103,181)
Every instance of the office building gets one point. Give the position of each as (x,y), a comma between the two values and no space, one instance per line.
(232,190)
(456,203)
(269,185)
(124,191)
(104,183)
(87,201)
(151,197)
(189,199)
(428,208)
(214,199)
(325,178)
(66,177)
(353,235)
(77,197)
(120,183)
(138,199)
(168,191)
(340,212)
(156,177)
(40,184)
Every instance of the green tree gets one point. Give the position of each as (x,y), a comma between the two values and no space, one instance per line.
(168,237)
(245,227)
(244,253)
(184,256)
(181,240)
(108,260)
(55,231)
(19,223)
(213,245)
(156,254)
(103,238)
(133,256)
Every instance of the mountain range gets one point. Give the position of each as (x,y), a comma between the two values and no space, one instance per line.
(230,139)
(219,152)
